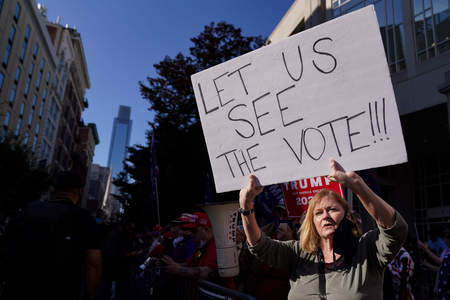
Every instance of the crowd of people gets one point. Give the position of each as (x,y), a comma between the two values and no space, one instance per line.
(55,250)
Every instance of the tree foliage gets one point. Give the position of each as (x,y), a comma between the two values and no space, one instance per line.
(185,174)
(135,193)
(20,182)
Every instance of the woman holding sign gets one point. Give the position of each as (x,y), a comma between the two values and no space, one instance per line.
(330,261)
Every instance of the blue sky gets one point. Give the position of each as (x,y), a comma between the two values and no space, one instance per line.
(123,39)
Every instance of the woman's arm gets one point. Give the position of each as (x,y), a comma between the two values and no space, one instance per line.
(282,255)
(246,196)
(380,211)
(432,257)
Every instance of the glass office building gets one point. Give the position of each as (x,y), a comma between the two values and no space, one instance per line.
(120,140)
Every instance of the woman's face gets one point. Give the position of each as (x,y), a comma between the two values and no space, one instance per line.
(328,213)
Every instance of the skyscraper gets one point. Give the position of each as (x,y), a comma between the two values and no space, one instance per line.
(120,140)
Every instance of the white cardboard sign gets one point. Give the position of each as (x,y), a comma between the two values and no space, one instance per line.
(283,110)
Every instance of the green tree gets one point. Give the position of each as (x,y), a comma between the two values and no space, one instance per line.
(182,156)
(20,182)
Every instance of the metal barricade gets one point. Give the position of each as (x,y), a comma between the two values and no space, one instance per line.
(211,291)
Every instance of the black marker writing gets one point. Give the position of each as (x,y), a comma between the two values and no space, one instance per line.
(324,143)
(228,162)
(324,53)
(252,158)
(374,117)
(301,65)
(203,101)
(245,136)
(262,115)
(220,90)
(285,108)
(332,131)
(350,134)
(240,76)
(241,163)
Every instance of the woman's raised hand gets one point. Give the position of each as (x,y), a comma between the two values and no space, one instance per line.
(338,174)
(248,193)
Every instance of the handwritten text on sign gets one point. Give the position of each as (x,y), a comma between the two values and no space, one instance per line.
(283,110)
(298,194)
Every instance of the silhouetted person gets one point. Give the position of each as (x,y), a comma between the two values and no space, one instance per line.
(50,244)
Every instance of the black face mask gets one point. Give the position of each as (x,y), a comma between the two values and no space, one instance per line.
(345,239)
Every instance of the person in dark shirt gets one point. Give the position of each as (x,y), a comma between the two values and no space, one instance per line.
(50,244)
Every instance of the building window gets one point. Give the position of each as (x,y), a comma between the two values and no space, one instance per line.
(26,138)
(33,148)
(17,12)
(53,110)
(3,135)
(30,75)
(24,50)
(27,87)
(17,76)
(30,118)
(19,124)
(35,50)
(22,109)
(27,32)
(30,71)
(12,97)
(41,110)
(55,82)
(6,121)
(2,78)
(390,19)
(49,130)
(12,33)
(41,72)
(44,94)
(49,75)
(13,93)
(6,56)
(25,43)
(36,130)
(59,93)
(432,28)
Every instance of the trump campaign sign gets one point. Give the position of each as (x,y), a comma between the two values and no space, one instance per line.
(298,194)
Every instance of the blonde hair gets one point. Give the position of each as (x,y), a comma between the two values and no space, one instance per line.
(309,238)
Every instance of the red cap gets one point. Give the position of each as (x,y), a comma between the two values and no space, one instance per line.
(197,219)
(168,235)
(157,227)
(157,251)
(186,218)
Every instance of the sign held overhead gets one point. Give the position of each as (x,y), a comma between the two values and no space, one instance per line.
(283,110)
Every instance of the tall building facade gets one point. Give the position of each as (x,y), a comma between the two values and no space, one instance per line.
(120,140)
(43,80)
(29,106)
(97,188)
(70,88)
(416,37)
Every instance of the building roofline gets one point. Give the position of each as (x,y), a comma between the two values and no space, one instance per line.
(94,132)
(294,16)
(77,37)
(43,28)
